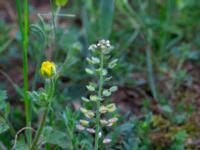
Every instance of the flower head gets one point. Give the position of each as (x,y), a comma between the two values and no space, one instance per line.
(48,69)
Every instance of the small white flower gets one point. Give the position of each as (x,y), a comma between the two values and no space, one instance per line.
(113,120)
(103,122)
(107,140)
(92,47)
(80,127)
(103,109)
(90,130)
(100,134)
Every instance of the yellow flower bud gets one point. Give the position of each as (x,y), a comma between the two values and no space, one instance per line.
(84,122)
(83,110)
(89,114)
(48,69)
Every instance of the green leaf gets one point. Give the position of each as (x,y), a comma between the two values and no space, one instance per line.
(39,97)
(89,71)
(180,137)
(91,87)
(108,78)
(55,137)
(94,98)
(105,72)
(106,17)
(112,64)
(167,109)
(61,3)
(3,126)
(3,97)
(85,99)
(113,89)
(106,93)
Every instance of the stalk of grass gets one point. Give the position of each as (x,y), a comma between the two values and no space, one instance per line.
(99,104)
(54,23)
(150,74)
(24,34)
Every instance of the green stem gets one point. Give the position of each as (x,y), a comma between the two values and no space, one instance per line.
(50,91)
(25,69)
(53,18)
(54,22)
(98,104)
(24,34)
(40,129)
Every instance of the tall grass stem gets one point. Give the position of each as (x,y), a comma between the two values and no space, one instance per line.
(24,28)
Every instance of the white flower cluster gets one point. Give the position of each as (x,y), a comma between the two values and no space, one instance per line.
(98,92)
(103,45)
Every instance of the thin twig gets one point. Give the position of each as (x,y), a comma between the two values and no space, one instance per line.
(21,130)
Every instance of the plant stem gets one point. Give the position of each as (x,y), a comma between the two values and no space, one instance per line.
(54,22)
(25,69)
(40,129)
(98,104)
(24,34)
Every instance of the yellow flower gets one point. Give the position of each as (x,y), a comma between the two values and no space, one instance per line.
(48,69)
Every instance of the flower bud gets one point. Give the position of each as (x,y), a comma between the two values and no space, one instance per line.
(107,140)
(111,107)
(103,122)
(89,114)
(113,120)
(103,109)
(90,130)
(80,127)
(84,122)
(48,69)
(83,110)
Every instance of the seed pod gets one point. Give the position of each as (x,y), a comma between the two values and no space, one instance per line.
(90,130)
(80,127)
(103,109)
(111,107)
(84,122)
